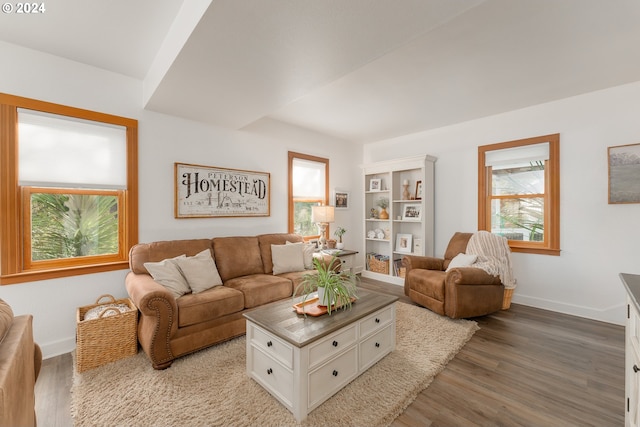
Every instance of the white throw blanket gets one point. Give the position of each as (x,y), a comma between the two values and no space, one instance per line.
(494,256)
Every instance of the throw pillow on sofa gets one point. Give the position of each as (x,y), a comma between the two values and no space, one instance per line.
(462,260)
(308,249)
(287,258)
(200,271)
(167,273)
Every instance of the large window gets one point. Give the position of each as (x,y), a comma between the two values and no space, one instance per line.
(70,192)
(519,185)
(308,186)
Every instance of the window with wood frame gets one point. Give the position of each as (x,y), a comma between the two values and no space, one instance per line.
(519,193)
(308,186)
(69,193)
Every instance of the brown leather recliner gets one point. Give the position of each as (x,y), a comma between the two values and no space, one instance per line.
(460,292)
(20,362)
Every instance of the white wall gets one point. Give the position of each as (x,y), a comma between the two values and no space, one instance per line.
(598,240)
(163,140)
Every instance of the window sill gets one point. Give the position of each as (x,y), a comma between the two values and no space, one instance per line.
(539,251)
(36,275)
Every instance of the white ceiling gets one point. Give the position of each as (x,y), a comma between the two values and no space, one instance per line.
(362,70)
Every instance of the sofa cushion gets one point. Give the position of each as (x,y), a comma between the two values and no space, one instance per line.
(266,240)
(208,305)
(259,289)
(200,271)
(6,318)
(287,258)
(158,251)
(167,273)
(237,256)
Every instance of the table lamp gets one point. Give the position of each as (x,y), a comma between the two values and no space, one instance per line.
(322,216)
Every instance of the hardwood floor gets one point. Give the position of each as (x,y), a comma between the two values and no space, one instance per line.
(524,367)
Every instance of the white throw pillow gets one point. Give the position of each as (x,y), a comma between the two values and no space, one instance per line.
(462,260)
(167,273)
(308,249)
(287,258)
(200,271)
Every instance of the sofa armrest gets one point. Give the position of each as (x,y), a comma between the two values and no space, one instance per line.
(158,320)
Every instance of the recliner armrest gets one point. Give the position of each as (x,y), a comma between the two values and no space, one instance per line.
(471,276)
(424,262)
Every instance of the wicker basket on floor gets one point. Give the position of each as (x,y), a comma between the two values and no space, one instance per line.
(107,338)
(506,299)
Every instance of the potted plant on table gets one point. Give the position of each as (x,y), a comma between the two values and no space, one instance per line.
(339,233)
(335,288)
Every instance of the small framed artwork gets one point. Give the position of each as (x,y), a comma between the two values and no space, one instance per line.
(341,199)
(375,184)
(624,174)
(417,246)
(412,212)
(403,243)
(418,190)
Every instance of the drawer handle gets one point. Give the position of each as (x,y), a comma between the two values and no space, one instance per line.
(269,371)
(635,368)
(377,344)
(335,373)
(335,343)
(377,320)
(269,343)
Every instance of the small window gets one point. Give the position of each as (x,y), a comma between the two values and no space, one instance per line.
(519,193)
(69,201)
(308,187)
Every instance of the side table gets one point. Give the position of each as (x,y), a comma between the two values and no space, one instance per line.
(346,256)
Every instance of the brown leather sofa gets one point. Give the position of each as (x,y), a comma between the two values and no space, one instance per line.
(461,292)
(20,361)
(170,327)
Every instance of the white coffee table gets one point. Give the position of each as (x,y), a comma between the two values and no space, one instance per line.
(303,361)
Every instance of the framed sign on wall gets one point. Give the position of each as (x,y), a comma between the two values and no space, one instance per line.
(207,191)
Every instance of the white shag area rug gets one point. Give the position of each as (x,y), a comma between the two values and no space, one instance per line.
(211,387)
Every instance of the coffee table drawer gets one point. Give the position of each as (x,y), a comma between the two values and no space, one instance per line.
(274,347)
(376,347)
(376,321)
(272,375)
(328,347)
(325,381)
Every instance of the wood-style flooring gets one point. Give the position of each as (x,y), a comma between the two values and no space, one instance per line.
(524,367)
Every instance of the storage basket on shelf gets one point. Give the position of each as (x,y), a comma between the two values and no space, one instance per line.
(110,336)
(379,266)
(506,299)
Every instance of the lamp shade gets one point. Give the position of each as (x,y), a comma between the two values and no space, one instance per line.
(320,214)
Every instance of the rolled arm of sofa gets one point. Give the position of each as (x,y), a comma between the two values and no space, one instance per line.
(158,319)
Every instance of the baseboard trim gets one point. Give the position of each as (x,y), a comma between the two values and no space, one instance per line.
(614,314)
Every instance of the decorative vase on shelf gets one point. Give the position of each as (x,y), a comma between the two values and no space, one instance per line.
(405,192)
(383,214)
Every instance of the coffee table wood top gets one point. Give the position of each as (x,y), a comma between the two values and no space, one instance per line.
(280,318)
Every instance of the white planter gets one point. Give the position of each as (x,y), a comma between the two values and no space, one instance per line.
(340,245)
(321,298)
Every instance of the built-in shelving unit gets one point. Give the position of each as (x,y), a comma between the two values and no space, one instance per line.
(409,226)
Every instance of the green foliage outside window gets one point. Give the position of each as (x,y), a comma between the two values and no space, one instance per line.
(73,225)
